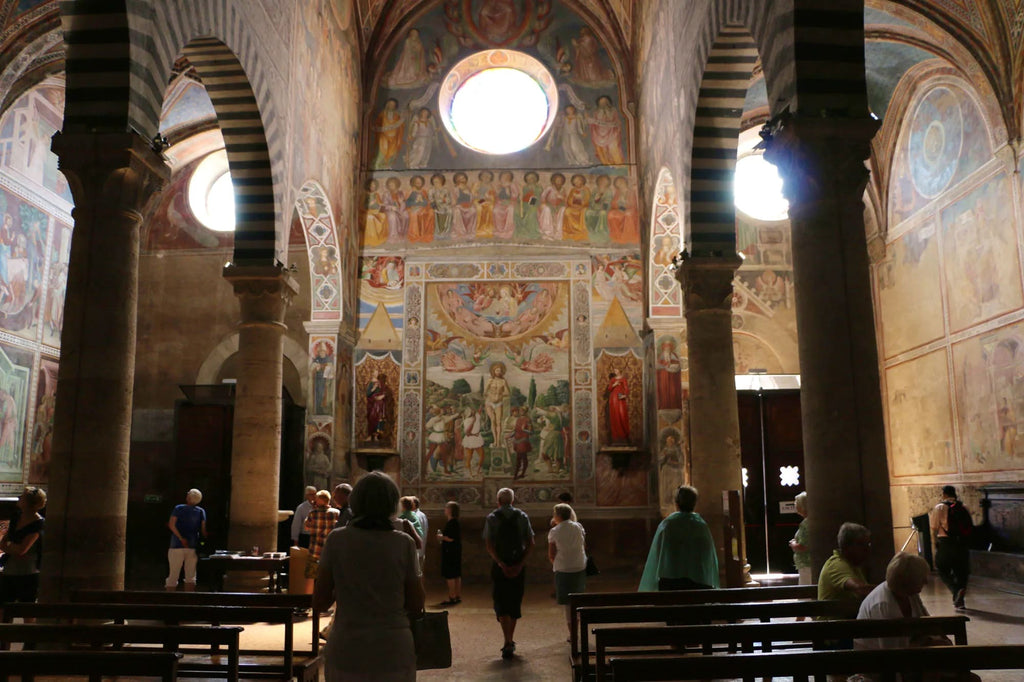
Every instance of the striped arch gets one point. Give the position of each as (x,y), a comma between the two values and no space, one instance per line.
(716,132)
(238,115)
(664,296)
(318,227)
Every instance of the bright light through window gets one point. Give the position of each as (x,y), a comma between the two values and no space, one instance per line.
(211,195)
(758,189)
(745,478)
(498,101)
(789,476)
(499,111)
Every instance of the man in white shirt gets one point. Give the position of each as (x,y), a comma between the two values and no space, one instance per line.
(425,525)
(300,538)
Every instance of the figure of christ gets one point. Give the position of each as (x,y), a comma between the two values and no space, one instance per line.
(496,393)
(618,408)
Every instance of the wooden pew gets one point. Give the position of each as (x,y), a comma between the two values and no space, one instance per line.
(745,635)
(173,614)
(167,636)
(699,614)
(301,602)
(91,664)
(803,664)
(723,596)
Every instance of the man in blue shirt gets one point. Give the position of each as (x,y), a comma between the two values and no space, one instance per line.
(187,523)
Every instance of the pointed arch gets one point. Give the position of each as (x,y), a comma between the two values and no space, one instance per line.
(323,250)
(665,242)
(723,90)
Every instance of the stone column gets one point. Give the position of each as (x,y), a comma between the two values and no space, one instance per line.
(112,177)
(822,163)
(714,416)
(263,294)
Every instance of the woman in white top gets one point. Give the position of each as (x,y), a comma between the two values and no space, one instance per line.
(566,541)
(371,571)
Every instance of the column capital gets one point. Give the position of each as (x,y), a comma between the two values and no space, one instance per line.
(707,282)
(115,171)
(820,159)
(322,327)
(263,291)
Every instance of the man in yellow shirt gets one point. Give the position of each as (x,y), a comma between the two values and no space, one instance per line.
(842,576)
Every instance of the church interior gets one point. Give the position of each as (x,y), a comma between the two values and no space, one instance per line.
(249,246)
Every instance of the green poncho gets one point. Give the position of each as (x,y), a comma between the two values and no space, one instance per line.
(682,548)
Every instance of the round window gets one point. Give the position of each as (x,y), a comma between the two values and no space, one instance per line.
(211,196)
(758,189)
(498,101)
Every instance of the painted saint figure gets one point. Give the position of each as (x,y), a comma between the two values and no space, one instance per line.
(411,68)
(521,445)
(464,223)
(574,225)
(606,132)
(587,67)
(442,204)
(388,128)
(483,195)
(552,208)
(323,378)
(506,198)
(496,393)
(527,221)
(375,223)
(393,202)
(617,393)
(378,398)
(422,138)
(570,131)
(421,217)
(597,214)
(623,220)
(669,367)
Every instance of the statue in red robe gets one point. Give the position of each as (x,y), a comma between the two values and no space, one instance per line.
(618,408)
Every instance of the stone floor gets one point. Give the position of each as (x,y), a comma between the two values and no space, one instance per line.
(996,612)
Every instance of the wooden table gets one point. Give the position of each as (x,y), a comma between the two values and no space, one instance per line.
(222,563)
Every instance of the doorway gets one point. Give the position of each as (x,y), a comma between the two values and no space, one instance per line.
(772,456)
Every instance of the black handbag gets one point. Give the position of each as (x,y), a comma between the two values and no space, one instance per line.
(432,639)
(592,568)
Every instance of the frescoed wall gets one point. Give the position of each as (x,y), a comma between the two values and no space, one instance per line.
(35,240)
(949,301)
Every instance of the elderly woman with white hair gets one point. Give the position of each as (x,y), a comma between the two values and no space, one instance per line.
(799,544)
(372,572)
(187,524)
(900,597)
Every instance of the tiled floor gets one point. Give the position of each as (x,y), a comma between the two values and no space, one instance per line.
(996,613)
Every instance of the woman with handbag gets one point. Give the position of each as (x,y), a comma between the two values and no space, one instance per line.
(566,541)
(21,548)
(372,572)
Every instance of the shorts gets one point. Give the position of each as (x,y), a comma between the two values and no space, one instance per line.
(18,588)
(507,593)
(312,567)
(568,583)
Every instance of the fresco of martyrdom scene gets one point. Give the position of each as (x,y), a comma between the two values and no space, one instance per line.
(15,368)
(497,394)
(410,209)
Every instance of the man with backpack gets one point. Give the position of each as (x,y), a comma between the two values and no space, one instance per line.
(509,539)
(952,525)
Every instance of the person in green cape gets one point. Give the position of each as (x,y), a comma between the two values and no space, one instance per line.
(682,554)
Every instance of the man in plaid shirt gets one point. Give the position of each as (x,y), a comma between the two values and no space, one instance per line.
(318,524)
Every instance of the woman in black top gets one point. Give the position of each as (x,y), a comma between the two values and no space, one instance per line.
(21,549)
(451,553)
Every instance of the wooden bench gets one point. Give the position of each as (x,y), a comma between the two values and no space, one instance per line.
(723,596)
(802,665)
(700,614)
(175,614)
(168,636)
(91,664)
(299,602)
(620,642)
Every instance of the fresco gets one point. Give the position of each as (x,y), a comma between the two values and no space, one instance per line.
(322,243)
(317,466)
(591,127)
(22,258)
(322,369)
(666,242)
(620,403)
(408,210)
(15,368)
(377,377)
(173,225)
(918,400)
(53,312)
(945,141)
(909,295)
(25,132)
(988,371)
(625,487)
(979,248)
(497,394)
(42,428)
(750,352)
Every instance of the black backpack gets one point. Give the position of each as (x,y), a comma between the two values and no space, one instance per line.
(508,543)
(959,525)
